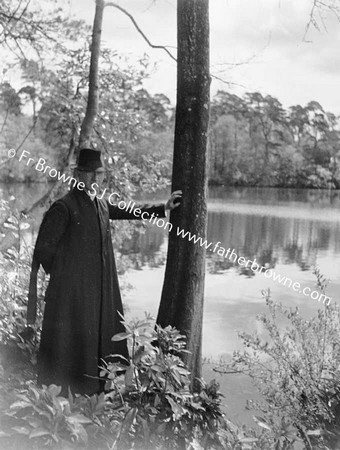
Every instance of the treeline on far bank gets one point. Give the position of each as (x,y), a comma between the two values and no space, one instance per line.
(253,140)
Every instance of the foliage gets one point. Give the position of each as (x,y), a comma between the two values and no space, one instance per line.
(254,141)
(15,131)
(9,99)
(39,417)
(133,128)
(297,372)
(148,399)
(26,26)
(17,354)
(55,93)
(162,412)
(148,405)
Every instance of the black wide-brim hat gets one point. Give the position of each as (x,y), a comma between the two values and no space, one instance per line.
(89,160)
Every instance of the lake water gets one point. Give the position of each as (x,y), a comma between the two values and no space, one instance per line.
(288,230)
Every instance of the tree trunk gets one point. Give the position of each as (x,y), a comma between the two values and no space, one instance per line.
(91,109)
(183,290)
(92,101)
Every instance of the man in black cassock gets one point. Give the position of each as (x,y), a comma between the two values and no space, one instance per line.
(82,300)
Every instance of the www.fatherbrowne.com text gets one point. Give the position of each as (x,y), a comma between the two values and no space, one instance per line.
(232,256)
(113,197)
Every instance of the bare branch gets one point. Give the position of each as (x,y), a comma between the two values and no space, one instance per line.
(234,64)
(24,26)
(29,132)
(5,121)
(161,47)
(5,162)
(23,12)
(165,48)
(320,6)
(225,370)
(228,83)
(311,20)
(21,143)
(12,17)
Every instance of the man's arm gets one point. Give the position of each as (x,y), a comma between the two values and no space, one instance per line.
(51,231)
(134,211)
(52,228)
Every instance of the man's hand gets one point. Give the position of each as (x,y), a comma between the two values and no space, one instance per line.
(174,200)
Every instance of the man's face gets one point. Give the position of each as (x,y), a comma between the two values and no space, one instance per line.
(88,178)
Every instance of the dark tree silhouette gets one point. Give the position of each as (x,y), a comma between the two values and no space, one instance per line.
(182,296)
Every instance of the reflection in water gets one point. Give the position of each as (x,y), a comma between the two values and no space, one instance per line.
(291,230)
(272,240)
(274,196)
(289,236)
(143,249)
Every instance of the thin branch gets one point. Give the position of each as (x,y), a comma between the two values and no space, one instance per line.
(228,83)
(5,162)
(12,17)
(29,132)
(225,370)
(11,49)
(31,29)
(21,144)
(311,20)
(161,47)
(20,49)
(165,48)
(236,64)
(319,5)
(4,122)
(23,12)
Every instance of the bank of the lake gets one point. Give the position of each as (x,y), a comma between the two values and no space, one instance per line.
(288,230)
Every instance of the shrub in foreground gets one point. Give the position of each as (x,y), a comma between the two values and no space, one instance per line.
(148,404)
(297,371)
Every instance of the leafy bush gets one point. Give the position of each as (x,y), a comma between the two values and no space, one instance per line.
(148,404)
(298,373)
(17,354)
(162,411)
(41,418)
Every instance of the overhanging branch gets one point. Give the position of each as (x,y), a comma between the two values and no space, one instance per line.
(161,47)
(318,6)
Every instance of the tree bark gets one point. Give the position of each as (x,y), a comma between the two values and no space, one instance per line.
(93,95)
(183,290)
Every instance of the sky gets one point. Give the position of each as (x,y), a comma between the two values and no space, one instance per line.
(256,45)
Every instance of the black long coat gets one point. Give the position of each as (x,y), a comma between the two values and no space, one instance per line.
(83,298)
